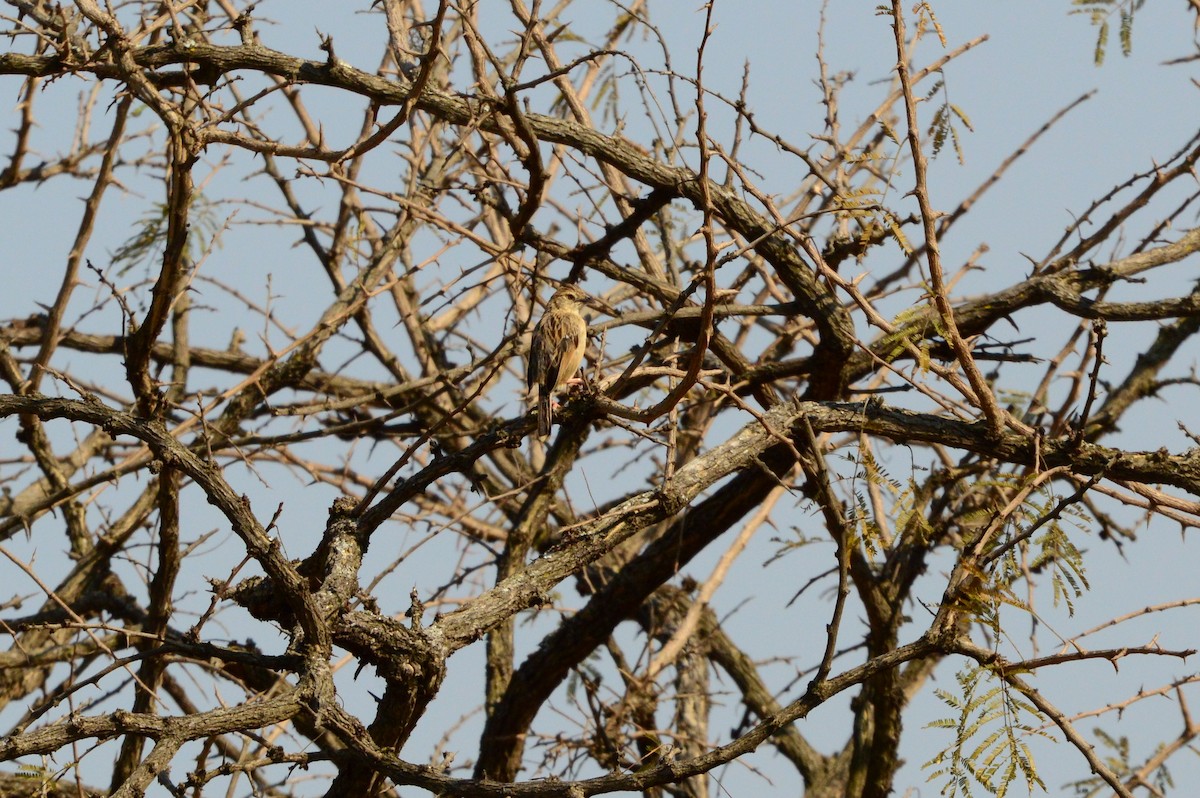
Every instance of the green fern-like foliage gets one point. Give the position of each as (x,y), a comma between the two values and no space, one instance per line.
(866,527)
(1056,552)
(911,324)
(146,244)
(991,724)
(943,127)
(1116,754)
(864,207)
(39,772)
(1042,524)
(42,781)
(1101,13)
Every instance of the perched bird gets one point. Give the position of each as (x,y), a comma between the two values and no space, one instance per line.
(557,349)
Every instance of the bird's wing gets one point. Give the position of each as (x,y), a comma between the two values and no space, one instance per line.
(554,335)
(574,344)
(570,337)
(545,354)
(536,354)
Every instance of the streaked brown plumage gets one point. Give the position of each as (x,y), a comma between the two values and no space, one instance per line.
(557,349)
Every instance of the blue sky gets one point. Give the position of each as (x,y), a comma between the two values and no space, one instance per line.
(1038,59)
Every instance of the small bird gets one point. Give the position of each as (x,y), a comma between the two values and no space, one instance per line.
(557,349)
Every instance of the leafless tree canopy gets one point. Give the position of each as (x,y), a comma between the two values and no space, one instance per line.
(296,283)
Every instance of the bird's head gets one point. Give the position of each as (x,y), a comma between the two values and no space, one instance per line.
(568,297)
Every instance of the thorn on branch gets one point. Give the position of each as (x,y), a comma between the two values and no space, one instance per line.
(416,610)
(331,59)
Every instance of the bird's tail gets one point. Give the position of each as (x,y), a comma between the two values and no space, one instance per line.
(544,411)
